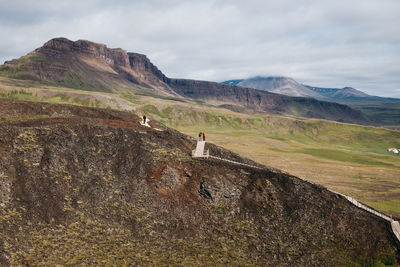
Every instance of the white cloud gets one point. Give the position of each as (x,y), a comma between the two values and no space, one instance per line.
(322,43)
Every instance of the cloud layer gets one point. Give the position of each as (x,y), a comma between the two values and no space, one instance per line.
(322,43)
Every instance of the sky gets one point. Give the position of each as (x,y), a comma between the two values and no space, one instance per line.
(321,43)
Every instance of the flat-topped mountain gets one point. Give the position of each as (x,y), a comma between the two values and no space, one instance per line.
(87,186)
(90,66)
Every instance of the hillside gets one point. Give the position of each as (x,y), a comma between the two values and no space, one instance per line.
(93,186)
(89,66)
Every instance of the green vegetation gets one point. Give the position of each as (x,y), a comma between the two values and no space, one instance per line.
(21,95)
(58,98)
(72,80)
(62,98)
(5,69)
(93,242)
(380,261)
(343,156)
(164,113)
(38,58)
(390,205)
(380,111)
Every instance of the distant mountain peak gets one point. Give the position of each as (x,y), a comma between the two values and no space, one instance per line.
(278,84)
(349,92)
(289,86)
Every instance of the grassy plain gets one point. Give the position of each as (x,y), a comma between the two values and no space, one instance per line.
(347,158)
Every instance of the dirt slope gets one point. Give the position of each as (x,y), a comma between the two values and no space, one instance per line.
(91,186)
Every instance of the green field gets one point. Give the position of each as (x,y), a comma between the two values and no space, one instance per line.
(347,158)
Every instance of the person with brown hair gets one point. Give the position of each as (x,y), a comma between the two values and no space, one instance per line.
(204,136)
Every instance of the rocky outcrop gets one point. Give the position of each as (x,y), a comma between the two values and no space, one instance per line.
(141,63)
(62,46)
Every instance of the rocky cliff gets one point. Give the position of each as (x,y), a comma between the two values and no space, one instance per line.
(94,187)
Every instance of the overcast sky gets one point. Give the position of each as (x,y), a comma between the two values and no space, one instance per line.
(322,43)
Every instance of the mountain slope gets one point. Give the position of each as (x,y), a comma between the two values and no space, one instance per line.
(90,66)
(336,93)
(87,65)
(92,186)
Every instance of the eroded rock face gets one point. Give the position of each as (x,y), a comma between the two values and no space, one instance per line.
(94,187)
(86,48)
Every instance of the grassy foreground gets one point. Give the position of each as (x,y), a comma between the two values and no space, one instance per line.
(347,158)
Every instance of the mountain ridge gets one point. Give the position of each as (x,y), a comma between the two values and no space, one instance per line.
(90,66)
(288,86)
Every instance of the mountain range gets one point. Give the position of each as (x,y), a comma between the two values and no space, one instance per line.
(288,86)
(95,67)
(382,111)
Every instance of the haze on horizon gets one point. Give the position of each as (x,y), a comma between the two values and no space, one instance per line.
(320,43)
